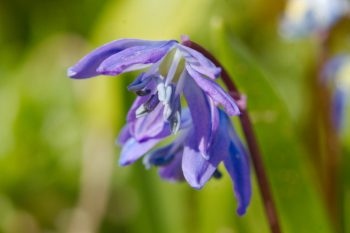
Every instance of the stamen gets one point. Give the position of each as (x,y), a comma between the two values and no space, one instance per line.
(141,111)
(161,91)
(175,121)
(168,92)
(143,92)
(173,67)
(152,103)
(170,103)
(147,107)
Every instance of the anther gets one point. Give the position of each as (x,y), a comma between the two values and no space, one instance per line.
(143,92)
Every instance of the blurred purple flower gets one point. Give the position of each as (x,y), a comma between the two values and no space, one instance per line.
(205,137)
(303,17)
(336,75)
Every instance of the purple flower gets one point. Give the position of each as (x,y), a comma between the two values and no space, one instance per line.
(204,135)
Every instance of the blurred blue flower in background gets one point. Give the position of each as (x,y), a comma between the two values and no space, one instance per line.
(204,137)
(303,17)
(336,74)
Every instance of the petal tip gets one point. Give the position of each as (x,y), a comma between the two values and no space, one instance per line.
(71,73)
(241,211)
(124,163)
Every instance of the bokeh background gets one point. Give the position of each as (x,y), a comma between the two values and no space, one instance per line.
(58,160)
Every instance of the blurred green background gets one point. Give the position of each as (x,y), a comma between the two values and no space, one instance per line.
(58,161)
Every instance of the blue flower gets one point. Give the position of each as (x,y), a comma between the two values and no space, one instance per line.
(204,135)
(336,75)
(303,17)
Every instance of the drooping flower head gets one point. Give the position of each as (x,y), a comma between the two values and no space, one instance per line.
(204,135)
(336,74)
(304,17)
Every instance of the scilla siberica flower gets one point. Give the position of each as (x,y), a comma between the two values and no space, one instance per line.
(204,137)
(303,17)
(336,74)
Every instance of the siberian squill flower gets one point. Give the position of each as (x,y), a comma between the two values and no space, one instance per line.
(336,74)
(304,17)
(200,136)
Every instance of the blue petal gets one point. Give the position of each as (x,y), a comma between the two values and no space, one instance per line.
(216,93)
(197,170)
(124,135)
(173,170)
(131,117)
(150,126)
(199,62)
(201,114)
(237,164)
(132,150)
(160,157)
(134,58)
(164,155)
(87,66)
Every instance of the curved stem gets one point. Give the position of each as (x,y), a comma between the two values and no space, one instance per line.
(248,131)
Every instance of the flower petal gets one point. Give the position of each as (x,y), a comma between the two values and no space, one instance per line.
(237,164)
(151,125)
(134,58)
(201,116)
(199,62)
(132,150)
(124,135)
(136,104)
(173,170)
(216,93)
(86,67)
(197,170)
(159,157)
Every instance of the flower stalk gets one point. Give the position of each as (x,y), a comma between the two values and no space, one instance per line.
(256,158)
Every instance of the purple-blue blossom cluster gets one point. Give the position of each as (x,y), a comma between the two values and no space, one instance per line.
(204,135)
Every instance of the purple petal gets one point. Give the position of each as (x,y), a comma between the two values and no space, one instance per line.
(137,103)
(159,157)
(197,170)
(237,164)
(164,155)
(200,112)
(199,62)
(124,135)
(87,66)
(216,93)
(215,121)
(150,126)
(173,170)
(134,58)
(132,150)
